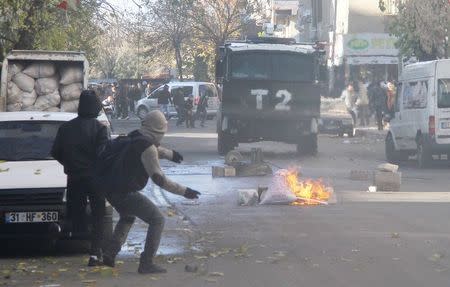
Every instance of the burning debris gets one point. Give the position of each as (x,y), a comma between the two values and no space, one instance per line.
(287,188)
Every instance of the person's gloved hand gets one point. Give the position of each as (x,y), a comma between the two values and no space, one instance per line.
(191,194)
(177,157)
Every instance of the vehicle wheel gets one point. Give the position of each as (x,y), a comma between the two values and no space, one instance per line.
(424,156)
(142,112)
(224,142)
(307,145)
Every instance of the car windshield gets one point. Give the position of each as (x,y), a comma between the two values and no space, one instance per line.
(27,140)
(288,67)
(444,93)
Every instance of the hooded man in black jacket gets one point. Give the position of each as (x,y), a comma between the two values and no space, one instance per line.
(75,147)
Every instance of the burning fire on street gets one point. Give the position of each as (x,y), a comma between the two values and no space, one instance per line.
(307,191)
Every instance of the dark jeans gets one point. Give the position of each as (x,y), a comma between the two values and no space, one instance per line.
(180,114)
(129,206)
(379,116)
(79,189)
(190,119)
(201,115)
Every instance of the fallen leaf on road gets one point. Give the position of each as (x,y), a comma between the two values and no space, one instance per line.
(395,235)
(436,257)
(396,259)
(63,269)
(259,261)
(154,278)
(119,262)
(346,259)
(216,274)
(355,250)
(171,213)
(211,280)
(200,257)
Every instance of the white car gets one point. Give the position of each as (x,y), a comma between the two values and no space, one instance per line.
(32,183)
(420,123)
(150,102)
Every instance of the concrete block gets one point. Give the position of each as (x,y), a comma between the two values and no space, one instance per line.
(223,171)
(253,170)
(363,175)
(387,181)
(388,167)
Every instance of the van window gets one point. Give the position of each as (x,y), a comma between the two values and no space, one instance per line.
(444,93)
(209,90)
(415,95)
(185,90)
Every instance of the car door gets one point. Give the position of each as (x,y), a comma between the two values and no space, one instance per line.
(152,100)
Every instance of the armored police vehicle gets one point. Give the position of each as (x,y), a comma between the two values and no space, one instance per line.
(270,91)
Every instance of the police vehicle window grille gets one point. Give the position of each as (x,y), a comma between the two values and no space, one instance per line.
(250,66)
(293,68)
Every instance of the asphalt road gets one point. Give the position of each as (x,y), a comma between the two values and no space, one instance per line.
(364,239)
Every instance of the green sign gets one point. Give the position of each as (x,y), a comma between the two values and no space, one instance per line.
(358,44)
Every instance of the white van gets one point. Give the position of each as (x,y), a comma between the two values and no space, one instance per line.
(421,124)
(188,88)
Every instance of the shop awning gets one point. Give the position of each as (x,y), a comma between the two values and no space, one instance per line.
(372,60)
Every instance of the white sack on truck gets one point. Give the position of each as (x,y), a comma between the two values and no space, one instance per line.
(13,108)
(70,75)
(71,92)
(69,106)
(24,82)
(45,86)
(14,94)
(40,70)
(13,69)
(47,101)
(28,99)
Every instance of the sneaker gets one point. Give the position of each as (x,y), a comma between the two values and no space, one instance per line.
(94,261)
(150,269)
(109,261)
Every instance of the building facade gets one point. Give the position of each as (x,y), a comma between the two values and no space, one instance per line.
(354,31)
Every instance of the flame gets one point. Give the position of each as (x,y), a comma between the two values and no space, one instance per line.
(308,191)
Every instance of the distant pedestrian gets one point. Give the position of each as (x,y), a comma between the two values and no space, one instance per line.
(140,161)
(188,107)
(378,101)
(202,107)
(178,101)
(164,100)
(362,103)
(349,98)
(75,147)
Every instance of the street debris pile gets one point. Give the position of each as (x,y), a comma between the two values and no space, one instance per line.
(44,86)
(287,189)
(236,165)
(385,178)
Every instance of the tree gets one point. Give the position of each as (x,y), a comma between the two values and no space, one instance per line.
(167,26)
(422,28)
(219,20)
(41,24)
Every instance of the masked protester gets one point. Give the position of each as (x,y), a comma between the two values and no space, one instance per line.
(75,147)
(141,162)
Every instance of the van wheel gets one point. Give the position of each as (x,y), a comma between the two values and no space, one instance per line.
(142,112)
(225,142)
(424,156)
(307,145)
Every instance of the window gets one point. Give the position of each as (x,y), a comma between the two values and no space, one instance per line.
(27,140)
(289,67)
(444,93)
(185,90)
(209,90)
(250,66)
(415,95)
(293,68)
